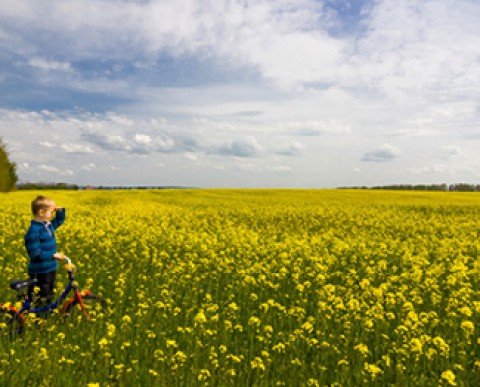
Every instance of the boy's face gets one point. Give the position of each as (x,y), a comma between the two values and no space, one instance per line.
(46,214)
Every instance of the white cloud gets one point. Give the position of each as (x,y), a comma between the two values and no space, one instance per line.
(49,65)
(142,139)
(248,147)
(448,151)
(109,142)
(54,170)
(47,168)
(76,148)
(276,169)
(420,47)
(293,57)
(441,118)
(427,49)
(89,167)
(165,144)
(318,127)
(427,170)
(191,156)
(382,153)
(293,148)
(282,40)
(137,144)
(248,168)
(47,144)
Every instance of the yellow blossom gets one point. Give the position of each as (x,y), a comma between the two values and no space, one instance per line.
(372,370)
(200,318)
(449,377)
(257,363)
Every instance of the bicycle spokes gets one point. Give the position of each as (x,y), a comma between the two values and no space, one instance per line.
(93,305)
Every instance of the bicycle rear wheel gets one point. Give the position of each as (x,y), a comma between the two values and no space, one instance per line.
(12,324)
(95,306)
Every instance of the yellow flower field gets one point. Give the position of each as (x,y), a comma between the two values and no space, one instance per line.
(255,287)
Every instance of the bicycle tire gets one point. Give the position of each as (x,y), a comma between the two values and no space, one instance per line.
(93,304)
(11,323)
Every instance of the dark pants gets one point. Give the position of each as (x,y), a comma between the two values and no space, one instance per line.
(46,283)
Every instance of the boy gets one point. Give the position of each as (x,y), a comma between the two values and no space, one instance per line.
(41,246)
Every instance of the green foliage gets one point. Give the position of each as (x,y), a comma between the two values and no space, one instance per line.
(460,187)
(47,186)
(8,175)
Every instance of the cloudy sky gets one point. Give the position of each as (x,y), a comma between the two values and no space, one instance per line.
(241,93)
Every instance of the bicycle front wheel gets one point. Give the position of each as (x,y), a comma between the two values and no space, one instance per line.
(12,324)
(95,306)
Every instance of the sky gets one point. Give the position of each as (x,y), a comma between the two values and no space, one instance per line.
(240,93)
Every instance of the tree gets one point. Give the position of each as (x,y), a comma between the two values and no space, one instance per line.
(8,174)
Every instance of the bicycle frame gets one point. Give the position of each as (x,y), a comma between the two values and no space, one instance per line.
(71,285)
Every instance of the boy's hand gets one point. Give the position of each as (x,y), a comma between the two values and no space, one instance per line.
(59,256)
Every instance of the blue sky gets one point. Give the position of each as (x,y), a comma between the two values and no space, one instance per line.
(241,93)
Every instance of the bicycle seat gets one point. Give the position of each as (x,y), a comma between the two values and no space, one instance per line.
(18,284)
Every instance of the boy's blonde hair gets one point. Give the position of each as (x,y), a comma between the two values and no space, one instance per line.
(40,203)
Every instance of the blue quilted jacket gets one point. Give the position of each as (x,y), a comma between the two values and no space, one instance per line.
(41,245)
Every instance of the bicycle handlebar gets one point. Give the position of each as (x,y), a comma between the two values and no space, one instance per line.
(69,266)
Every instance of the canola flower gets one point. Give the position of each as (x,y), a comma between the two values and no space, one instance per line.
(274,287)
(449,377)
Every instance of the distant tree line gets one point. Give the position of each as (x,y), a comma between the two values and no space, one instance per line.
(135,187)
(52,186)
(464,187)
(8,173)
(42,186)
(458,187)
(417,187)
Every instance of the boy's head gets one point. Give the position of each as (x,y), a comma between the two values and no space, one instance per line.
(43,207)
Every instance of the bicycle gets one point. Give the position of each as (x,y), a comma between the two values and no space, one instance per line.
(12,319)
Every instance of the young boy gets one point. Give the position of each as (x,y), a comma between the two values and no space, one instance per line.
(42,247)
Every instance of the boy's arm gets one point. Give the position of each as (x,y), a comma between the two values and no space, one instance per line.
(32,243)
(59,218)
